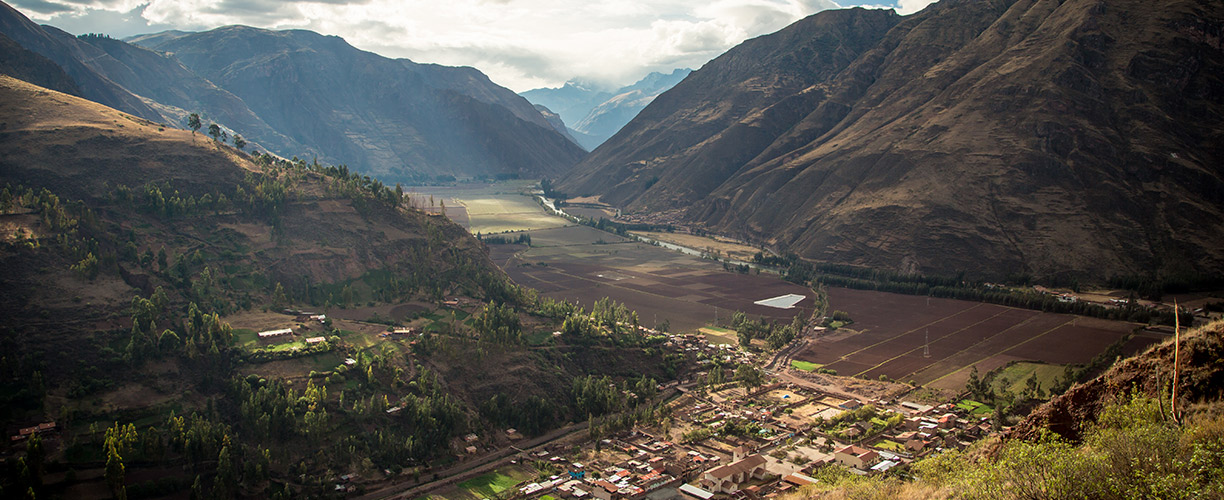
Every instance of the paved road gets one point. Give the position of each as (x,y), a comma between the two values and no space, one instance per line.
(468,470)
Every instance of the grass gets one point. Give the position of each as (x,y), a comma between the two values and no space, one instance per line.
(975,408)
(806,366)
(540,337)
(1016,375)
(891,445)
(489,485)
(716,335)
(244,336)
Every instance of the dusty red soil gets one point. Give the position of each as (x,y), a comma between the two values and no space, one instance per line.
(893,332)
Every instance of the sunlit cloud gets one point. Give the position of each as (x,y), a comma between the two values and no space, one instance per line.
(520,44)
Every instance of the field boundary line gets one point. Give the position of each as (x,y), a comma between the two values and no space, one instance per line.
(1042,334)
(966,327)
(975,344)
(907,332)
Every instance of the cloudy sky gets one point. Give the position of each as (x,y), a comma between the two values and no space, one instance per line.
(520,44)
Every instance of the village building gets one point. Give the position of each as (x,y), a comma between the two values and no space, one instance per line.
(729,478)
(856,457)
(690,492)
(267,334)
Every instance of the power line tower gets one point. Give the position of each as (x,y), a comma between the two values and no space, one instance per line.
(926,345)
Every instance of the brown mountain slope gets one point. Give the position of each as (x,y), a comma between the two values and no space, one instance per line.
(17,62)
(1081,137)
(392,118)
(303,228)
(68,53)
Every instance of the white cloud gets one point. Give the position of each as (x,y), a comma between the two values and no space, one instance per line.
(907,7)
(521,44)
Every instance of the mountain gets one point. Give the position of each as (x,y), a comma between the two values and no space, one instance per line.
(554,120)
(606,119)
(139,261)
(76,59)
(572,101)
(19,63)
(597,115)
(392,118)
(1075,138)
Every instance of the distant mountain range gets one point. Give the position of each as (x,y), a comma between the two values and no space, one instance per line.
(1074,138)
(298,93)
(593,115)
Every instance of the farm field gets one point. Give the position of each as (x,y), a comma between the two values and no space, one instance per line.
(487,208)
(890,331)
(584,264)
(721,247)
(489,485)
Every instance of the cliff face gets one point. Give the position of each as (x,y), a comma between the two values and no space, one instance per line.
(1081,137)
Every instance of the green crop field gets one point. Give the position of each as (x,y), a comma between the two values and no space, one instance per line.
(490,208)
(804,365)
(1014,378)
(489,485)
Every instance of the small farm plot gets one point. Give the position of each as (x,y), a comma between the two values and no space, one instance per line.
(487,208)
(936,342)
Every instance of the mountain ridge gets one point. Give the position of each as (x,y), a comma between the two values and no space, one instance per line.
(392,118)
(594,115)
(999,138)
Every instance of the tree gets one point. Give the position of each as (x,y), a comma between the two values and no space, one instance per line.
(239,142)
(114,470)
(193,121)
(749,376)
(214,130)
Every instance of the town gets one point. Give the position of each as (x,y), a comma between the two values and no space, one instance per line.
(749,436)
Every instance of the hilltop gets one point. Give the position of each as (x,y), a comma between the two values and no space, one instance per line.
(1004,137)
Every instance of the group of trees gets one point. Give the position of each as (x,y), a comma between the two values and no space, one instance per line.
(828,274)
(193,122)
(204,334)
(499,324)
(775,336)
(521,239)
(75,228)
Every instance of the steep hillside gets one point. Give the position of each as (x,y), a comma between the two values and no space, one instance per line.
(387,117)
(71,55)
(176,92)
(275,225)
(554,120)
(1200,385)
(19,63)
(1078,138)
(138,263)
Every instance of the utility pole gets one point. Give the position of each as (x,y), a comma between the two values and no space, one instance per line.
(926,346)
